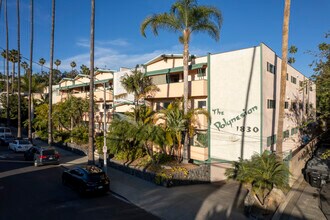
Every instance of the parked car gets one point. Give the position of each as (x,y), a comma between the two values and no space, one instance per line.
(4,131)
(42,155)
(20,145)
(5,140)
(86,179)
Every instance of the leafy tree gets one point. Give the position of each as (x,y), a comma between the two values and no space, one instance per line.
(13,106)
(260,175)
(321,77)
(186,17)
(40,122)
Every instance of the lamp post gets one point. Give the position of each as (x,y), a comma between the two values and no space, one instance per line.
(104,130)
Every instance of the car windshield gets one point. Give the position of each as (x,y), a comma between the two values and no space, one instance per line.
(48,152)
(23,142)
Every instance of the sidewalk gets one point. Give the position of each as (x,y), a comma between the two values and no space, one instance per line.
(302,202)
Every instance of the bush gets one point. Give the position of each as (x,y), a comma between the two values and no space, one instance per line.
(80,135)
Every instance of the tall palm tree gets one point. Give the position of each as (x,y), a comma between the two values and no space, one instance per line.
(50,109)
(42,62)
(57,63)
(13,57)
(91,88)
(25,66)
(19,131)
(285,38)
(7,65)
(186,17)
(30,71)
(73,65)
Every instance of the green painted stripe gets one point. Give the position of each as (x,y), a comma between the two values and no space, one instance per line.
(84,84)
(175,69)
(209,104)
(221,160)
(261,100)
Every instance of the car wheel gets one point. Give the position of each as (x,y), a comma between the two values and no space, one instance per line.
(36,163)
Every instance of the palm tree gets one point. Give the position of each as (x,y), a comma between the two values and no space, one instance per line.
(260,175)
(7,65)
(186,17)
(292,50)
(13,57)
(139,84)
(50,109)
(30,71)
(73,65)
(91,89)
(285,37)
(57,63)
(19,131)
(42,62)
(176,122)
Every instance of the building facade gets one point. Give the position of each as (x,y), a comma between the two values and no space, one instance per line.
(240,89)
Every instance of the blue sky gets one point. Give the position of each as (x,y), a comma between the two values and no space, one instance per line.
(119,43)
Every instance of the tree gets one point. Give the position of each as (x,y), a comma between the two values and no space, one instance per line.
(57,63)
(175,122)
(19,123)
(285,37)
(7,65)
(139,84)
(260,175)
(73,65)
(91,89)
(50,90)
(30,70)
(42,62)
(186,17)
(321,77)
(292,50)
(14,56)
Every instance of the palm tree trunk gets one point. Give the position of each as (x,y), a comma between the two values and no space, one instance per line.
(185,93)
(30,72)
(19,131)
(50,110)
(7,65)
(12,79)
(91,89)
(285,36)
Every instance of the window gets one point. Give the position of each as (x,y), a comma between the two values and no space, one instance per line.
(286,105)
(287,76)
(301,83)
(271,140)
(293,80)
(174,78)
(201,72)
(293,105)
(286,134)
(294,131)
(201,104)
(107,106)
(270,103)
(270,68)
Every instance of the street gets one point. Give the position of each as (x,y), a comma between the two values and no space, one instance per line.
(28,192)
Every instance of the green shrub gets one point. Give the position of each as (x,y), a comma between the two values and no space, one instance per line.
(80,135)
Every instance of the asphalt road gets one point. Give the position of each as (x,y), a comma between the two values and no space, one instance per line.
(28,192)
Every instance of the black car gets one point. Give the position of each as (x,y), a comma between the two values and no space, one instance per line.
(86,179)
(5,140)
(42,155)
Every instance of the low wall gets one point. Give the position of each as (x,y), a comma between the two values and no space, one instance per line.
(195,176)
(299,158)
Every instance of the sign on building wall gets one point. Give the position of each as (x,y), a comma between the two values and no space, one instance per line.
(235,104)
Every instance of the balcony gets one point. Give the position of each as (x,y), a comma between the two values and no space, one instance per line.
(175,90)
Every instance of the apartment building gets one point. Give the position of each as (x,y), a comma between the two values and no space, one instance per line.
(240,89)
(106,87)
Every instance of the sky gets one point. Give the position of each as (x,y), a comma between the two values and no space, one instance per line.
(119,43)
